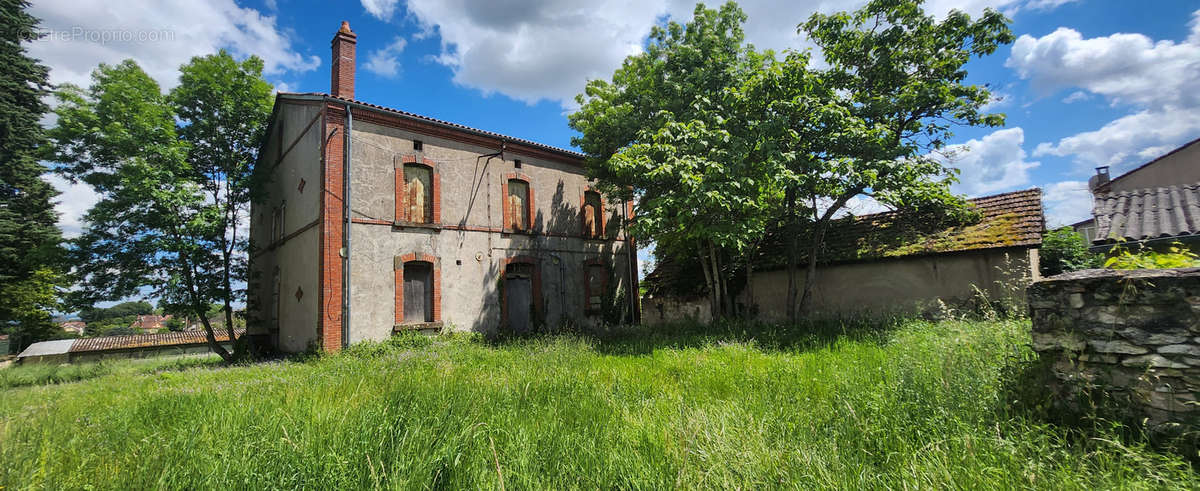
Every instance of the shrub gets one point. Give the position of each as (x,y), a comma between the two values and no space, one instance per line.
(1064,250)
(1176,256)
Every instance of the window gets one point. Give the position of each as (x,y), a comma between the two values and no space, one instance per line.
(593,215)
(277,223)
(418,292)
(517,163)
(275,308)
(517,205)
(418,193)
(417,145)
(596,282)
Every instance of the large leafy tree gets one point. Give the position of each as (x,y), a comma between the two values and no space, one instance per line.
(173,173)
(899,76)
(30,251)
(667,132)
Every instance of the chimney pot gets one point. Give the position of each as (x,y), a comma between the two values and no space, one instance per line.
(342,64)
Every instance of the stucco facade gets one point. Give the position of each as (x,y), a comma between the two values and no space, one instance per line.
(451,229)
(1179,167)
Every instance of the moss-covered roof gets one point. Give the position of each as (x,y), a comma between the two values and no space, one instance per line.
(1003,220)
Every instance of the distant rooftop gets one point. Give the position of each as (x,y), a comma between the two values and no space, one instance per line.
(106,343)
(1146,214)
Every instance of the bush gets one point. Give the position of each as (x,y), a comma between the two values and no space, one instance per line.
(1064,250)
(1176,256)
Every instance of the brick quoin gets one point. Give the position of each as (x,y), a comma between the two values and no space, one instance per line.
(332,228)
(437,283)
(402,192)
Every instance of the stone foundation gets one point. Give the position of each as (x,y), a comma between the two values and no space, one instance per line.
(1132,335)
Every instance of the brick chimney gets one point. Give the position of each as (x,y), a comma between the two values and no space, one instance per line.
(342,73)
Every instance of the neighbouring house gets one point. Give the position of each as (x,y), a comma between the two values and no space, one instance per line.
(150,322)
(114,347)
(1132,204)
(76,327)
(892,262)
(1153,217)
(377,220)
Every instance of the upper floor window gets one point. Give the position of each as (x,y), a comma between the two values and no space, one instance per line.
(277,223)
(418,193)
(593,215)
(517,205)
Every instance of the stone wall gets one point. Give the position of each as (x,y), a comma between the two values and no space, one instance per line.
(1135,335)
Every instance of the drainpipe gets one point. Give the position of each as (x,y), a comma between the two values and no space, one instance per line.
(631,268)
(346,231)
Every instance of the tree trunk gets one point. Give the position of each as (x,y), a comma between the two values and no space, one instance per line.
(791,219)
(708,282)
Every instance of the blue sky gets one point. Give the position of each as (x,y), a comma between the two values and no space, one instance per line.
(1087,83)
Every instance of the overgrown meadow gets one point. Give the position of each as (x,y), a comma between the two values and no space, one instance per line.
(903,404)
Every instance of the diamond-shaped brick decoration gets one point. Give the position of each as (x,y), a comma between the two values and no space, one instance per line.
(301,186)
(299,293)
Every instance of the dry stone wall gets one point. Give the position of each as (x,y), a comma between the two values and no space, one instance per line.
(1134,335)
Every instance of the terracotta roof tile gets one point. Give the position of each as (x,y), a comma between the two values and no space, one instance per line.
(179,338)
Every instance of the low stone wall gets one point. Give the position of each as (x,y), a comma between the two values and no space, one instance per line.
(668,309)
(1135,335)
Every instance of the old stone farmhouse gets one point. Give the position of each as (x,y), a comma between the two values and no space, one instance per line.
(377,220)
(885,263)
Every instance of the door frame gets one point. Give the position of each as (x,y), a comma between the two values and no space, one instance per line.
(536,293)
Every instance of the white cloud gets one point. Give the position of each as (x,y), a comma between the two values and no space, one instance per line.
(534,50)
(381,9)
(1127,141)
(74,200)
(1067,202)
(990,164)
(1125,68)
(159,35)
(1077,96)
(1160,80)
(385,61)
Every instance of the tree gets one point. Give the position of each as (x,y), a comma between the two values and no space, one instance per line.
(667,133)
(899,76)
(1064,250)
(30,250)
(173,172)
(123,309)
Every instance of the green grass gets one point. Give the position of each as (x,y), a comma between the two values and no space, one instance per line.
(41,373)
(911,405)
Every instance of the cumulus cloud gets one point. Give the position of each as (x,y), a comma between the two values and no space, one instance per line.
(159,35)
(1127,141)
(1067,202)
(533,50)
(997,162)
(1159,80)
(75,200)
(385,61)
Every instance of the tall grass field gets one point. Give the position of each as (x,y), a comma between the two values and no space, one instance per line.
(907,404)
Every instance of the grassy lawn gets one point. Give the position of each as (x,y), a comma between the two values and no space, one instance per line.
(912,405)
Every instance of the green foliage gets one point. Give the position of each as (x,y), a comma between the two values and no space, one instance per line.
(173,172)
(128,309)
(832,405)
(1063,250)
(30,253)
(1140,257)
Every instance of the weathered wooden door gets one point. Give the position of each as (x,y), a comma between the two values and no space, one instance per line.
(418,302)
(518,290)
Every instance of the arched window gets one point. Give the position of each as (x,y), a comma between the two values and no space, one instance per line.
(593,215)
(517,206)
(418,193)
(417,199)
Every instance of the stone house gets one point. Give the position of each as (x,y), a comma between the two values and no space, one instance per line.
(377,220)
(897,262)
